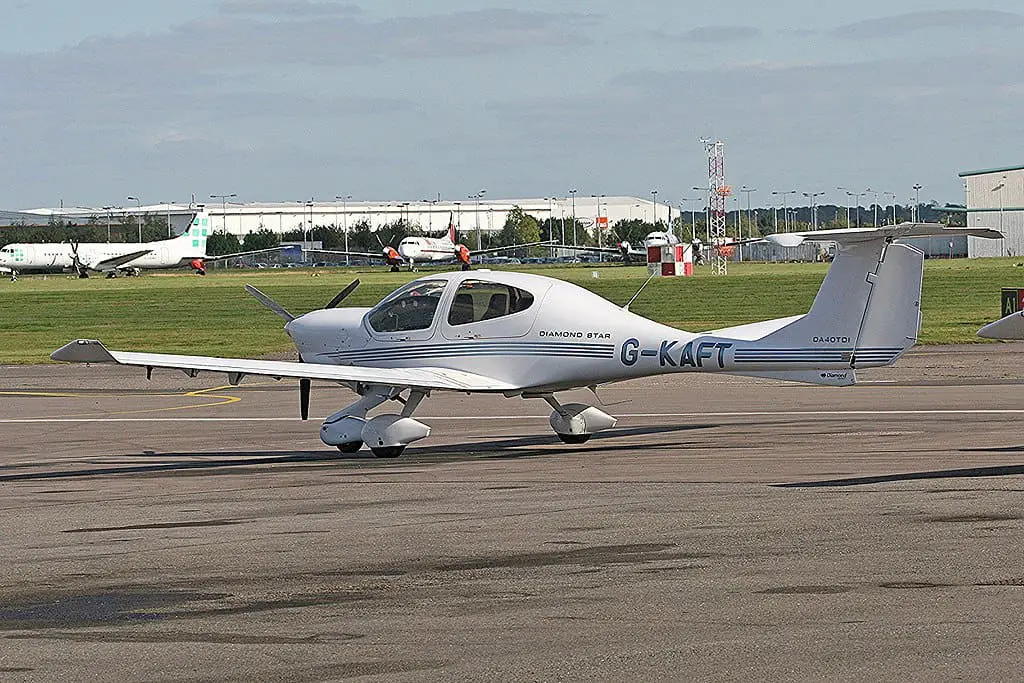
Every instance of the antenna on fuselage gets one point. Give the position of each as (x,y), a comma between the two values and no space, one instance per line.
(646,282)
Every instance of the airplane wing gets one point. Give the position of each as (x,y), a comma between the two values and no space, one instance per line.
(852,235)
(116,261)
(360,254)
(511,246)
(603,250)
(239,254)
(93,351)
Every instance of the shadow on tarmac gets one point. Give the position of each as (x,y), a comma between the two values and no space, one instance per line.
(528,447)
(966,472)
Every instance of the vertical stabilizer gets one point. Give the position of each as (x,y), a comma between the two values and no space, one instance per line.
(194,237)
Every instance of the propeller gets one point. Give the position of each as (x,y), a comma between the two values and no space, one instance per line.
(76,262)
(343,294)
(305,384)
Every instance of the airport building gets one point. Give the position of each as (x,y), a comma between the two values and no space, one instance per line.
(469,215)
(995,199)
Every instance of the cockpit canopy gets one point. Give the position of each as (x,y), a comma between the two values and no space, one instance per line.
(479,300)
(410,308)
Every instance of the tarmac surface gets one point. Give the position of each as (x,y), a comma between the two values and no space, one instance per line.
(726,528)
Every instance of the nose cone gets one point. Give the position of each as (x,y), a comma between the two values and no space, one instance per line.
(326,330)
(409,250)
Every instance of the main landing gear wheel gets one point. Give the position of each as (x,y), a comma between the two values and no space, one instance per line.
(351,447)
(395,269)
(387,451)
(574,438)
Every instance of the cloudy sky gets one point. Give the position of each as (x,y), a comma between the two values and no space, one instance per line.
(291,99)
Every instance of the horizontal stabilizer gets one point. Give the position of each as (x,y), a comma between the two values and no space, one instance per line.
(1010,327)
(903,230)
(829,378)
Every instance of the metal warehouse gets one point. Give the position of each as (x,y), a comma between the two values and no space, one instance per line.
(995,199)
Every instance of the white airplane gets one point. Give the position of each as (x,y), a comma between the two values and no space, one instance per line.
(532,336)
(413,250)
(113,258)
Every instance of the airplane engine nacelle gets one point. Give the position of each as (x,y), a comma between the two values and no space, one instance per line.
(392,257)
(199,266)
(580,419)
(462,253)
(348,429)
(386,431)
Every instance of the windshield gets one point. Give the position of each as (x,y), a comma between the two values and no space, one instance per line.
(409,308)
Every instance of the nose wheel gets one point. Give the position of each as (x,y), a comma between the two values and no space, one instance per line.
(350,447)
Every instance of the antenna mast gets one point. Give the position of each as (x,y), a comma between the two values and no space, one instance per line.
(718,193)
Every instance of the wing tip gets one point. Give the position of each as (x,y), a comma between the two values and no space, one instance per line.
(83,351)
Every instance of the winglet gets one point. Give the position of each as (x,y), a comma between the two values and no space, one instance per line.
(83,351)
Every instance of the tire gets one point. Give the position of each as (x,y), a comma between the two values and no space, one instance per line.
(388,451)
(574,438)
(350,447)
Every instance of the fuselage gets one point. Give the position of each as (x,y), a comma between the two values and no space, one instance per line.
(170,253)
(426,249)
(543,334)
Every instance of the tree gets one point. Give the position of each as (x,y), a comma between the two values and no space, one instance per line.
(261,239)
(519,228)
(222,243)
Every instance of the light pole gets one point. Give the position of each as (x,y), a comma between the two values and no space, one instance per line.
(848,194)
(654,207)
(814,207)
(167,205)
(875,196)
(893,195)
(107,209)
(477,197)
(572,193)
(917,202)
(138,216)
(785,209)
(998,188)
(747,191)
(344,217)
(224,210)
(309,228)
(707,211)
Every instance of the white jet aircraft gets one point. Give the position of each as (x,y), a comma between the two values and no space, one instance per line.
(113,258)
(532,336)
(413,250)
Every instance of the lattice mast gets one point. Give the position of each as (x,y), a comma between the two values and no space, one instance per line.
(718,193)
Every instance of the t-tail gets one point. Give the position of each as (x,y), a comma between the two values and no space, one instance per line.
(867,312)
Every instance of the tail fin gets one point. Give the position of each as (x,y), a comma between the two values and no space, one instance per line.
(869,305)
(196,233)
(451,228)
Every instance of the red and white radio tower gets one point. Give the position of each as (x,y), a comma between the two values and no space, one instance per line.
(718,193)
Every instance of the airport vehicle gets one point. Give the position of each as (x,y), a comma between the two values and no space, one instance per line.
(531,336)
(413,250)
(115,258)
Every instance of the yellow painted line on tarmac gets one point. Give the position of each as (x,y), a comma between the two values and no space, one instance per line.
(222,400)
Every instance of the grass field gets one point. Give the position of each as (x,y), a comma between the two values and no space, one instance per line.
(182,313)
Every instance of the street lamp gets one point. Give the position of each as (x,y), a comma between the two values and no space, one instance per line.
(707,209)
(849,194)
(750,232)
(785,211)
(167,206)
(654,207)
(572,193)
(814,207)
(477,197)
(875,195)
(309,229)
(138,216)
(998,188)
(893,195)
(344,217)
(223,208)
(107,209)
(917,202)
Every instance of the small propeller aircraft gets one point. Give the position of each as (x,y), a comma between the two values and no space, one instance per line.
(530,336)
(413,250)
(114,258)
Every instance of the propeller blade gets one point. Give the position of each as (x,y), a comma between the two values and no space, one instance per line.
(304,387)
(343,294)
(269,303)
